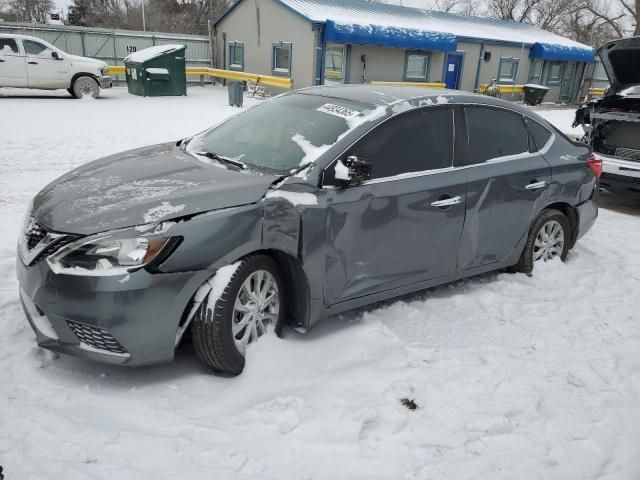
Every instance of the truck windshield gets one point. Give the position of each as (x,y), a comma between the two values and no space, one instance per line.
(284,133)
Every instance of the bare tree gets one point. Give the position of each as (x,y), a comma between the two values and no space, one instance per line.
(35,11)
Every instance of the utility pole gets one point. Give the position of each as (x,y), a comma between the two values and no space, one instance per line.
(144,26)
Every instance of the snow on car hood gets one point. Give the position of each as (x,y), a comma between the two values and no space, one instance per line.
(92,61)
(620,59)
(141,186)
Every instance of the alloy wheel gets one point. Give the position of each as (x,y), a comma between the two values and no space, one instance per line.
(549,242)
(256,308)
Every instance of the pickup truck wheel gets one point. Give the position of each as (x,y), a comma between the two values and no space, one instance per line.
(85,86)
(548,239)
(250,306)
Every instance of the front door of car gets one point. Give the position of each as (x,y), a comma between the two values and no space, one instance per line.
(44,69)
(507,182)
(13,69)
(402,226)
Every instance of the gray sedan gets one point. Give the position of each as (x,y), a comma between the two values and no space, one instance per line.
(307,205)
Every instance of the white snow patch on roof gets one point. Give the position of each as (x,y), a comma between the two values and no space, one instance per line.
(151,52)
(362,12)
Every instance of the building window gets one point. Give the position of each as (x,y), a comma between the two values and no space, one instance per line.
(334,60)
(281,61)
(555,73)
(416,66)
(508,70)
(535,75)
(236,56)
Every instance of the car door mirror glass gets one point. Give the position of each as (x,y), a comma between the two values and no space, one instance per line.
(352,170)
(55,56)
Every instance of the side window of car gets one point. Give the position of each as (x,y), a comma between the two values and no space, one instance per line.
(412,142)
(539,134)
(35,48)
(8,46)
(494,133)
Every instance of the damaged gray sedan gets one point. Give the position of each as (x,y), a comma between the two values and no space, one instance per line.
(307,205)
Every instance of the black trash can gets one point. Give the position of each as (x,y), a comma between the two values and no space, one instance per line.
(534,94)
(236,93)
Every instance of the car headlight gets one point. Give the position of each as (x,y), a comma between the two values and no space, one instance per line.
(104,71)
(113,253)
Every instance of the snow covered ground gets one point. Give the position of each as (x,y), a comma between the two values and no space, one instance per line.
(514,377)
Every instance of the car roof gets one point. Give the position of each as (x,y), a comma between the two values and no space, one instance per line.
(15,35)
(389,95)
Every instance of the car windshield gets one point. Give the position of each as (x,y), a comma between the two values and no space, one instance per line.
(284,133)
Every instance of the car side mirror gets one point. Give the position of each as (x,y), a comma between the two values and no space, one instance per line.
(55,56)
(353,170)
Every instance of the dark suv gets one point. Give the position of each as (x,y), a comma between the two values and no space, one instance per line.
(612,123)
(307,205)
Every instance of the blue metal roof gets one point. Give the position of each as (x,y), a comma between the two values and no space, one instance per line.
(383,36)
(381,22)
(548,51)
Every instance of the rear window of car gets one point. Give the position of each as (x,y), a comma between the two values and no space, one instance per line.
(8,46)
(540,135)
(494,133)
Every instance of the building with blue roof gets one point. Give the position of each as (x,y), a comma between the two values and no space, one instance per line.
(317,42)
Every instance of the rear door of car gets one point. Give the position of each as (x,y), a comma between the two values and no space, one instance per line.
(402,226)
(507,184)
(13,69)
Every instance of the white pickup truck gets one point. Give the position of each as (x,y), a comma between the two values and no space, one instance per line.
(29,62)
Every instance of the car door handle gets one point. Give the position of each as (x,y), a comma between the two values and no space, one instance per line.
(32,63)
(536,185)
(447,202)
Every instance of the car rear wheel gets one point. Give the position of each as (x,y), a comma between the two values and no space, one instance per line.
(250,306)
(548,239)
(85,86)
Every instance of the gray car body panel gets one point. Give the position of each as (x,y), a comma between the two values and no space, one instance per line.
(335,238)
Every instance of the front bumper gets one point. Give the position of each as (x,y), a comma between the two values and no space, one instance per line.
(105,82)
(126,320)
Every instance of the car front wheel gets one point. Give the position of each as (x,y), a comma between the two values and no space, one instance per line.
(251,305)
(548,239)
(85,86)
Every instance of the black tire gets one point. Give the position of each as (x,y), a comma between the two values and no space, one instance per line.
(70,90)
(525,263)
(85,86)
(212,328)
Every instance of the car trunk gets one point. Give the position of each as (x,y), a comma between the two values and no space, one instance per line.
(614,120)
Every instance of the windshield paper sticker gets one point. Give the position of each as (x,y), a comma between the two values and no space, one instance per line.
(338,111)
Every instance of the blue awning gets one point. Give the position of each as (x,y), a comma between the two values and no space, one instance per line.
(547,51)
(381,36)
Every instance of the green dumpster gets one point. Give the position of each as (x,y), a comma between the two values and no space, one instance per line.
(534,94)
(157,71)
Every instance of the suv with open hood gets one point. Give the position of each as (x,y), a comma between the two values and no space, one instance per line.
(612,123)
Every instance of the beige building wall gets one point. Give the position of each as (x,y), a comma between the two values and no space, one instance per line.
(276,24)
(387,64)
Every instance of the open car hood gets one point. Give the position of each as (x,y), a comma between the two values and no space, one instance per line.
(621,59)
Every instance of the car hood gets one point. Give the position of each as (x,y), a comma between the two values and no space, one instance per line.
(143,186)
(620,59)
(87,60)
